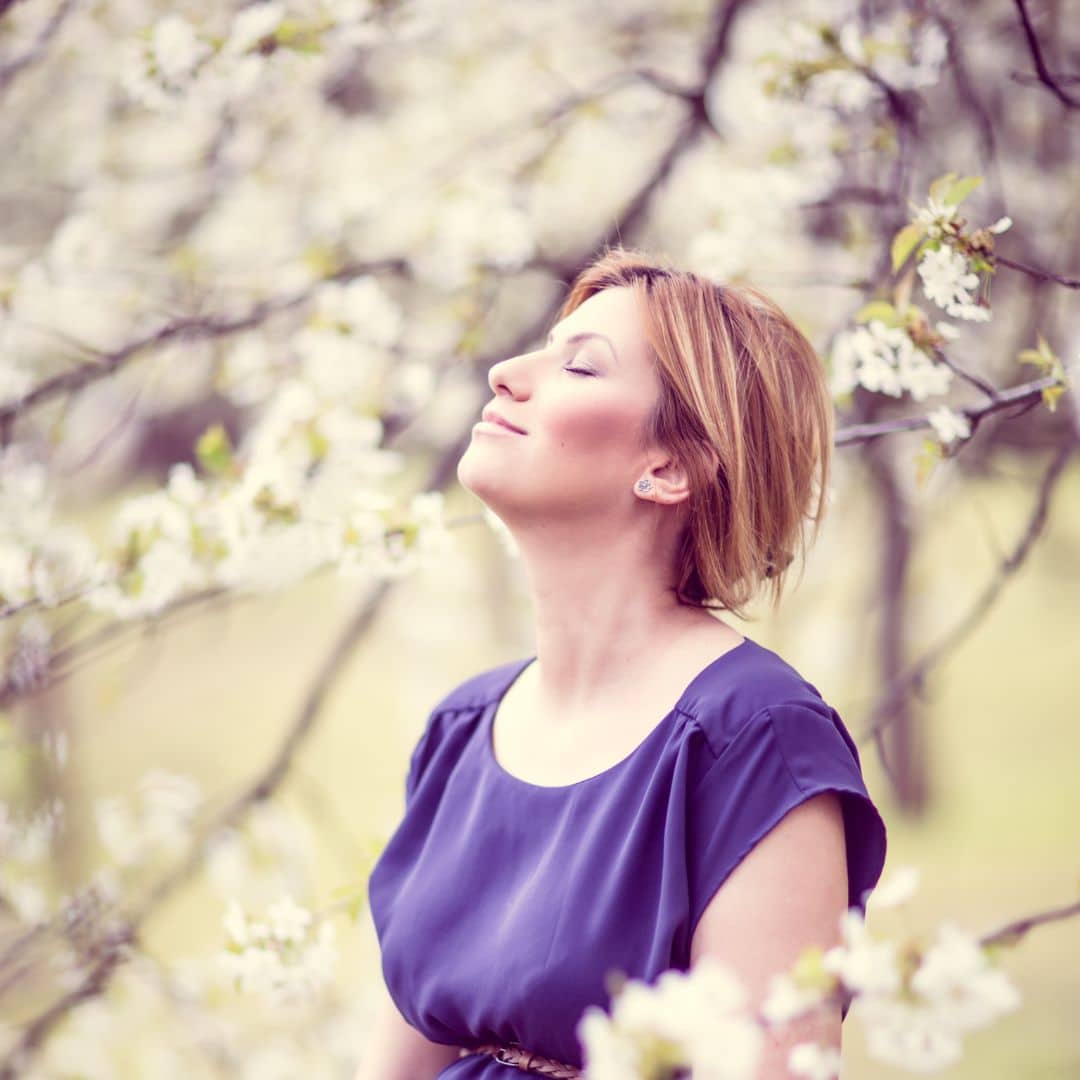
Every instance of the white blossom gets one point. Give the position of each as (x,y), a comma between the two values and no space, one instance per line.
(949,424)
(701,1012)
(156,821)
(362,307)
(884,359)
(957,980)
(949,283)
(934,216)
(864,965)
(15,381)
(176,48)
(920,376)
(610,1053)
(787,999)
(287,957)
(251,25)
(813,1061)
(288,921)
(896,889)
(909,1035)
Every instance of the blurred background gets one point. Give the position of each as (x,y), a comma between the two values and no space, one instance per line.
(255,262)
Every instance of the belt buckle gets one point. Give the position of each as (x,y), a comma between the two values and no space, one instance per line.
(498,1055)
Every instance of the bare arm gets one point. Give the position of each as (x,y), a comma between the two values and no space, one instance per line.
(788,892)
(397,1051)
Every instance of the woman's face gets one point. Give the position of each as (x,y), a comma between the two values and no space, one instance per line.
(581,403)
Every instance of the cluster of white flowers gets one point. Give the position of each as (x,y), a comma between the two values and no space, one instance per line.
(954,990)
(828,61)
(480,223)
(884,359)
(39,558)
(24,845)
(913,1017)
(813,1061)
(697,1018)
(15,379)
(308,496)
(269,855)
(156,822)
(178,63)
(305,491)
(949,424)
(915,1004)
(949,282)
(904,52)
(287,956)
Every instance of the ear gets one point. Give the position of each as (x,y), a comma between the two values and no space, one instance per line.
(670,483)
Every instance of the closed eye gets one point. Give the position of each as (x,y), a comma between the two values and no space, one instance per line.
(579,371)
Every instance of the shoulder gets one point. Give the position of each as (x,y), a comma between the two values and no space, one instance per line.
(767,743)
(479,690)
(761,690)
(458,708)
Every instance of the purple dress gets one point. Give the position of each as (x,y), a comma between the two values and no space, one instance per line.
(501,906)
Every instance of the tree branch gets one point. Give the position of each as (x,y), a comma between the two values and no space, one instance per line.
(915,677)
(1003,399)
(1041,275)
(195,328)
(1045,77)
(48,32)
(1012,932)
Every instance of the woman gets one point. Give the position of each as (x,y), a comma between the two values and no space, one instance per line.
(652,786)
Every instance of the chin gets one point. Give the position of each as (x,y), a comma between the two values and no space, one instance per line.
(491,488)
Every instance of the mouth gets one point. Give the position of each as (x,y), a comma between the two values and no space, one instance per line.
(493,419)
(494,427)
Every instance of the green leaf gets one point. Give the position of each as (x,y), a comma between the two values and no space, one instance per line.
(878,309)
(942,184)
(925,461)
(904,243)
(214,449)
(956,193)
(318,442)
(1050,396)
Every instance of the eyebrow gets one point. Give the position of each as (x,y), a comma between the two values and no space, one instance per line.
(583,335)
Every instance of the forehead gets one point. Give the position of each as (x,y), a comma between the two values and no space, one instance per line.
(615,312)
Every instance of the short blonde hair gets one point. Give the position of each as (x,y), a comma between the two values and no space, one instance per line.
(744,405)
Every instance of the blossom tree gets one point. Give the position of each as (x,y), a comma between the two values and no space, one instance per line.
(254,265)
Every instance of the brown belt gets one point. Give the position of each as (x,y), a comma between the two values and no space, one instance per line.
(525,1060)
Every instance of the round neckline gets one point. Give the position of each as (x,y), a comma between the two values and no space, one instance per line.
(488,739)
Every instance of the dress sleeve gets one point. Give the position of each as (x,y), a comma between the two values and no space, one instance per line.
(781,757)
(421,755)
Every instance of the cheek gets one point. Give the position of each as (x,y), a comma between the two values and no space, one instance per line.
(593,426)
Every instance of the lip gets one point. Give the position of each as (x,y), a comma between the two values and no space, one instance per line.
(490,416)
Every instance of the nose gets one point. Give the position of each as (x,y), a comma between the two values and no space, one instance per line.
(500,374)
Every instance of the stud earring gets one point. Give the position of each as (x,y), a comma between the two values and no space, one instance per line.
(644,485)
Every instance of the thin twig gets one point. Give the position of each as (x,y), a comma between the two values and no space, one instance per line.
(1012,932)
(47,33)
(194,328)
(1045,76)
(1041,275)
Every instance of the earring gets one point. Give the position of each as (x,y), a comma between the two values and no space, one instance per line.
(644,485)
